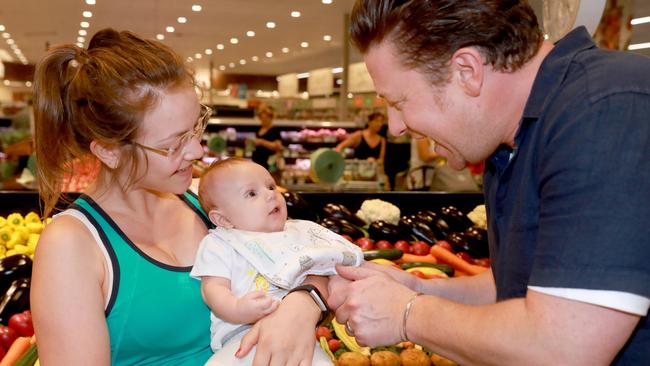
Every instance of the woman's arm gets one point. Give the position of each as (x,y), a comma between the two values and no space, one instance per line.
(246,309)
(382,151)
(351,141)
(424,152)
(297,316)
(67,298)
(275,145)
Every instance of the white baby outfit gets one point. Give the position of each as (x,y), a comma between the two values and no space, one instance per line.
(271,262)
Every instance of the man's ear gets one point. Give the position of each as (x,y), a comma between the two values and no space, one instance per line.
(468,70)
(107,154)
(217,218)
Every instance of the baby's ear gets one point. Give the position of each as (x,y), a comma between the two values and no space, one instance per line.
(219,219)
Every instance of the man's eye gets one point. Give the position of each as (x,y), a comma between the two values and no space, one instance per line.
(272,187)
(250,194)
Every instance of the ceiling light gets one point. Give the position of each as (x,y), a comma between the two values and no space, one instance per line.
(6,82)
(350,95)
(640,20)
(81,39)
(242,61)
(638,46)
(303,75)
(6,35)
(250,34)
(160,37)
(234,40)
(337,70)
(327,38)
(220,46)
(182,20)
(327,1)
(196,7)
(208,51)
(295,14)
(285,50)
(2,28)
(90,2)
(87,14)
(84,24)
(198,56)
(170,29)
(255,58)
(222,67)
(82,32)
(231,65)
(270,25)
(15,48)
(304,44)
(10,41)
(339,81)
(28,84)
(189,59)
(81,45)
(269,54)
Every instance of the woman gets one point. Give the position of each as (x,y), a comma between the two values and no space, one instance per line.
(268,142)
(367,143)
(422,164)
(111,281)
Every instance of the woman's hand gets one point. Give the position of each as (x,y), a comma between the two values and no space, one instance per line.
(371,302)
(286,336)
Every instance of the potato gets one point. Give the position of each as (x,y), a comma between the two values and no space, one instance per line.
(385,358)
(414,357)
(353,359)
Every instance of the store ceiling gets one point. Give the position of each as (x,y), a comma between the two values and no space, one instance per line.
(35,23)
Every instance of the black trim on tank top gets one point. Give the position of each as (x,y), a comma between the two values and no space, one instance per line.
(128,241)
(196,209)
(111,254)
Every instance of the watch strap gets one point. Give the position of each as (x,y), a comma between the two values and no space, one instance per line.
(317,297)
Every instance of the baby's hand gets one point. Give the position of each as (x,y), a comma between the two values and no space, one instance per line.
(255,305)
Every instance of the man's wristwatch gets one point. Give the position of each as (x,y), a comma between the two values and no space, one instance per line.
(318,299)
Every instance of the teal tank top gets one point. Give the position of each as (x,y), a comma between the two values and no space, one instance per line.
(155,314)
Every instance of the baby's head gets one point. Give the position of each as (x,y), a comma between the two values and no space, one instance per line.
(237,193)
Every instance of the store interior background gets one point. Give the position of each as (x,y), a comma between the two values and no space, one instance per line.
(298,64)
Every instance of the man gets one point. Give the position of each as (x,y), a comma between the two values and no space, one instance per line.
(565,132)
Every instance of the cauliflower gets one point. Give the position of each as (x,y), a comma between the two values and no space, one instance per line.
(376,209)
(479,216)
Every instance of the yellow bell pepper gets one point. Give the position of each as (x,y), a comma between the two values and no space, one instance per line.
(32,217)
(5,234)
(16,239)
(34,227)
(16,219)
(3,221)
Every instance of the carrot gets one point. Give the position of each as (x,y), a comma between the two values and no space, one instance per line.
(445,256)
(406,257)
(15,351)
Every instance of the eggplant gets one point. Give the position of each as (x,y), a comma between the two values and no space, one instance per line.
(477,241)
(456,220)
(12,268)
(437,225)
(342,227)
(411,226)
(297,207)
(381,230)
(340,211)
(460,242)
(15,300)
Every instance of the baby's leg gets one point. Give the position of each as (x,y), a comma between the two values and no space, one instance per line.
(226,355)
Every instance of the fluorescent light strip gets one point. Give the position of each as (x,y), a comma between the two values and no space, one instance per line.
(638,46)
(640,20)
(303,75)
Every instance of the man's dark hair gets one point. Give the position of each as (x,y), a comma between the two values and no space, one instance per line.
(426,33)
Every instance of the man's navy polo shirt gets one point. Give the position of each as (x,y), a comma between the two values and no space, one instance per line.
(569,207)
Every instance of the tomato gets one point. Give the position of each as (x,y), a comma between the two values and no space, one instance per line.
(445,244)
(383,244)
(348,238)
(420,248)
(7,337)
(2,353)
(464,256)
(334,344)
(403,245)
(323,332)
(365,243)
(22,324)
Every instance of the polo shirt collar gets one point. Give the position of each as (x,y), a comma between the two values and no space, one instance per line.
(553,70)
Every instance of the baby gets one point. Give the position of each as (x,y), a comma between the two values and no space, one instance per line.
(255,255)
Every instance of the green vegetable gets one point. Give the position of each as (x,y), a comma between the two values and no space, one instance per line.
(390,254)
(29,358)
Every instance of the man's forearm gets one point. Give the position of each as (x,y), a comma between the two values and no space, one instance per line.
(470,290)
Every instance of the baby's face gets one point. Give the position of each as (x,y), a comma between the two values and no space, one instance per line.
(248,198)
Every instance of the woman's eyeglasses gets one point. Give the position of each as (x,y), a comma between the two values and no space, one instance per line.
(183,140)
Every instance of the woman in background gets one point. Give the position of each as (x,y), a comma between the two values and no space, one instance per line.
(367,143)
(268,142)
